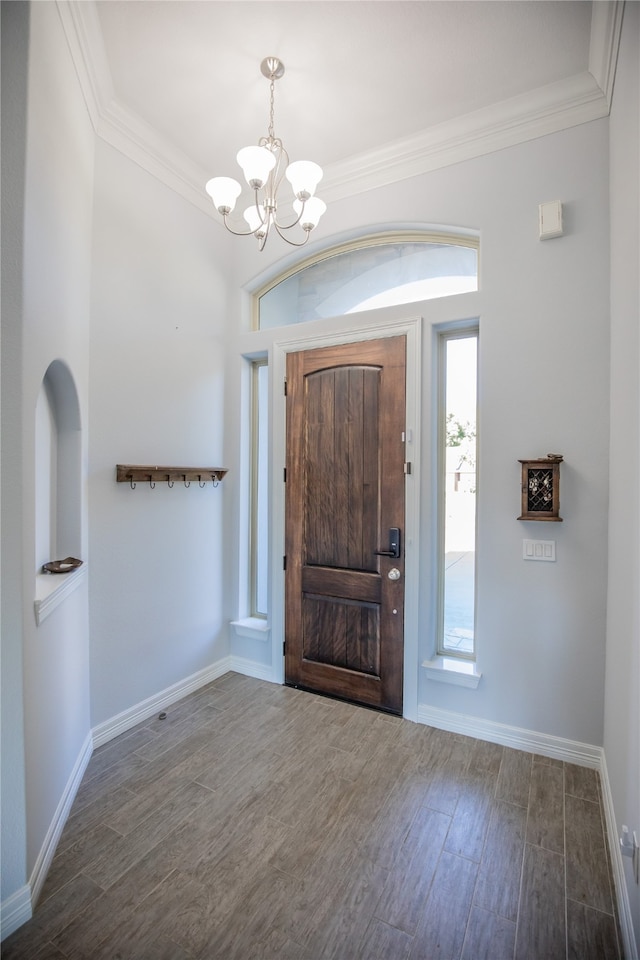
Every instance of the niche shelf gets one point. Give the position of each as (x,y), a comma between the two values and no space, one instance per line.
(134,473)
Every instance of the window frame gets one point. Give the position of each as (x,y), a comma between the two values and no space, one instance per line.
(254,480)
(372,240)
(445,335)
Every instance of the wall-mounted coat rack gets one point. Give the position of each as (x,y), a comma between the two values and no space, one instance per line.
(133,473)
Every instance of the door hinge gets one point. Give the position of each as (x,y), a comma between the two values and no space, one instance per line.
(284,474)
(285,386)
(284,563)
(284,647)
(407,467)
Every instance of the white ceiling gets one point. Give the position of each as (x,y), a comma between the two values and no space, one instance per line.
(373,90)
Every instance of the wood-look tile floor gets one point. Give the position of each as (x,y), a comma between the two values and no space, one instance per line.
(257,821)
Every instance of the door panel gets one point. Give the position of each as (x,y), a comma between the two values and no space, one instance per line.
(345,489)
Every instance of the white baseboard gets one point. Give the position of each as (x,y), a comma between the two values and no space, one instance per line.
(122,722)
(249,668)
(19,907)
(15,910)
(545,744)
(48,849)
(621,890)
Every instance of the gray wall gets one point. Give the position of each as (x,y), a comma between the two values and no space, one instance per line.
(158,313)
(622,705)
(15,58)
(47,665)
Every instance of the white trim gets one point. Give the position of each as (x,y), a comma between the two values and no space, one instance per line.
(84,38)
(104,732)
(362,326)
(606,27)
(462,673)
(113,122)
(48,849)
(139,141)
(15,910)
(254,628)
(53,588)
(251,668)
(545,744)
(549,109)
(621,890)
(124,721)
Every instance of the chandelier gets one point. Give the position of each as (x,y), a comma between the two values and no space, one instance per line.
(264,167)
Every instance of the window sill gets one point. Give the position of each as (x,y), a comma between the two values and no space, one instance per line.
(463,673)
(52,589)
(252,627)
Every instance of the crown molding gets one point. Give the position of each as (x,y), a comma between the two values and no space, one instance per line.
(546,110)
(141,142)
(112,121)
(84,38)
(549,109)
(606,27)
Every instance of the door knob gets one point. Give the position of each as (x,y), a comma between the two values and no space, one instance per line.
(394,574)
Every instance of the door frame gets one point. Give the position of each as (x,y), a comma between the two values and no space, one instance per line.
(364,326)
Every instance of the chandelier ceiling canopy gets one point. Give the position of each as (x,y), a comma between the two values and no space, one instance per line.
(264,167)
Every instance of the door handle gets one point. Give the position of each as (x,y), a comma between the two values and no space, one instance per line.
(394,545)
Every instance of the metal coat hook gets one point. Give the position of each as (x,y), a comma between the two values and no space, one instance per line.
(170,482)
(215,480)
(151,483)
(200,483)
(133,486)
(187,485)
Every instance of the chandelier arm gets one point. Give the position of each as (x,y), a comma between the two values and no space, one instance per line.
(293,243)
(287,226)
(262,214)
(236,233)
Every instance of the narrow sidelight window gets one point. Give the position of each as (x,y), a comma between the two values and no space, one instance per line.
(259,489)
(458,480)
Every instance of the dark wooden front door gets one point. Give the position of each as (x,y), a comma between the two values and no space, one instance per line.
(345,490)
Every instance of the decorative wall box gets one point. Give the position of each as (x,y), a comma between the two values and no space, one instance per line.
(541,488)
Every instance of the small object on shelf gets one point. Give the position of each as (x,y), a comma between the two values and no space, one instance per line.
(62,566)
(541,488)
(138,473)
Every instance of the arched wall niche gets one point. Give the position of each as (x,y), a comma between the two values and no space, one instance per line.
(58,467)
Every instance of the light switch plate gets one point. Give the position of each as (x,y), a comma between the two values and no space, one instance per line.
(539,550)
(550,220)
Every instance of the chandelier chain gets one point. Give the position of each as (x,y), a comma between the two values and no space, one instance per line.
(271,102)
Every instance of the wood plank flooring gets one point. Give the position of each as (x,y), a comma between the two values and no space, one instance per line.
(258,822)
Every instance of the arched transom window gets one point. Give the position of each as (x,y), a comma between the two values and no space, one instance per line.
(377,272)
